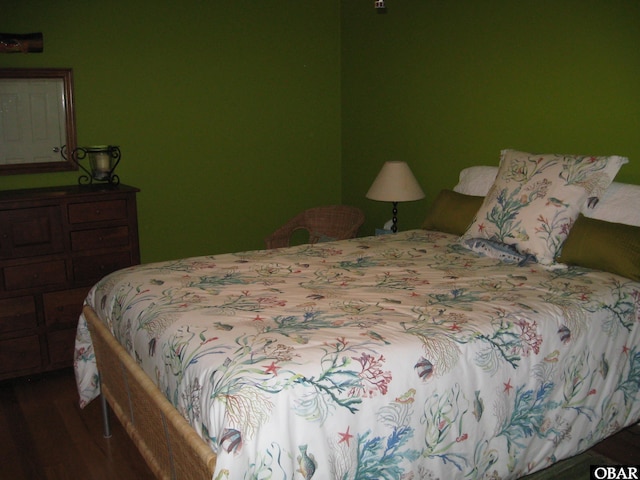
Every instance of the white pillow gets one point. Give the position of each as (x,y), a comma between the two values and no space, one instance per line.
(619,204)
(536,198)
(476,180)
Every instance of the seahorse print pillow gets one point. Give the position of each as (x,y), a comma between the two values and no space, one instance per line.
(535,199)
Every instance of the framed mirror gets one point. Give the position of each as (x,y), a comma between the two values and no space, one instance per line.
(37,120)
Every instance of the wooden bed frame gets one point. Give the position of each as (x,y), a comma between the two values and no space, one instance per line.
(169,445)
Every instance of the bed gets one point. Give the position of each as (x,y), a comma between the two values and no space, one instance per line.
(443,352)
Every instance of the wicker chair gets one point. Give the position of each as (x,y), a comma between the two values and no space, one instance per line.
(333,222)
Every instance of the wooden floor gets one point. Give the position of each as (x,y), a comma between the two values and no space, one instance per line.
(45,435)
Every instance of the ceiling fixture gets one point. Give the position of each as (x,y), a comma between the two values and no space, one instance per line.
(381,7)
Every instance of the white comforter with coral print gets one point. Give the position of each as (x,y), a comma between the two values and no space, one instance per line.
(398,356)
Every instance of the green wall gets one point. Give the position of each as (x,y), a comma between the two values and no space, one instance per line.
(448,84)
(233,116)
(227,113)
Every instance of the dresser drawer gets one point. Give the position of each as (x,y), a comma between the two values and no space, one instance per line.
(63,308)
(30,231)
(61,344)
(17,314)
(89,269)
(19,354)
(35,275)
(98,211)
(99,238)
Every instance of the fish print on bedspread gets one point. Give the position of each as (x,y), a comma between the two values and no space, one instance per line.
(403,356)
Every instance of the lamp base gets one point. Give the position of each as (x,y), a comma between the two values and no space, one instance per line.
(394,220)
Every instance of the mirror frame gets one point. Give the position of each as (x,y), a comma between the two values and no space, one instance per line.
(66,75)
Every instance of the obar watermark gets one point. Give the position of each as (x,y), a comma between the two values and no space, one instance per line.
(611,472)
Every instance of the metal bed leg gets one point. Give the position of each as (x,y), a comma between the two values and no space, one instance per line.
(106,425)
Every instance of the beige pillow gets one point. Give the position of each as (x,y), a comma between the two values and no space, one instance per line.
(611,247)
(452,212)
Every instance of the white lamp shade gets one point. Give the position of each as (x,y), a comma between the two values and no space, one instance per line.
(395,183)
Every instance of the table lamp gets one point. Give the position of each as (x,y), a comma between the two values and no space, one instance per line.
(395,183)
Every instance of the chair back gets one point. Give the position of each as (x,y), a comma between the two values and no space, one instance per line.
(332,222)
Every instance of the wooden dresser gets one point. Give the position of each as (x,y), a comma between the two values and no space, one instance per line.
(55,243)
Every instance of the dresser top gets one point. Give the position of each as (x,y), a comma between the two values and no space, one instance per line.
(63,191)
